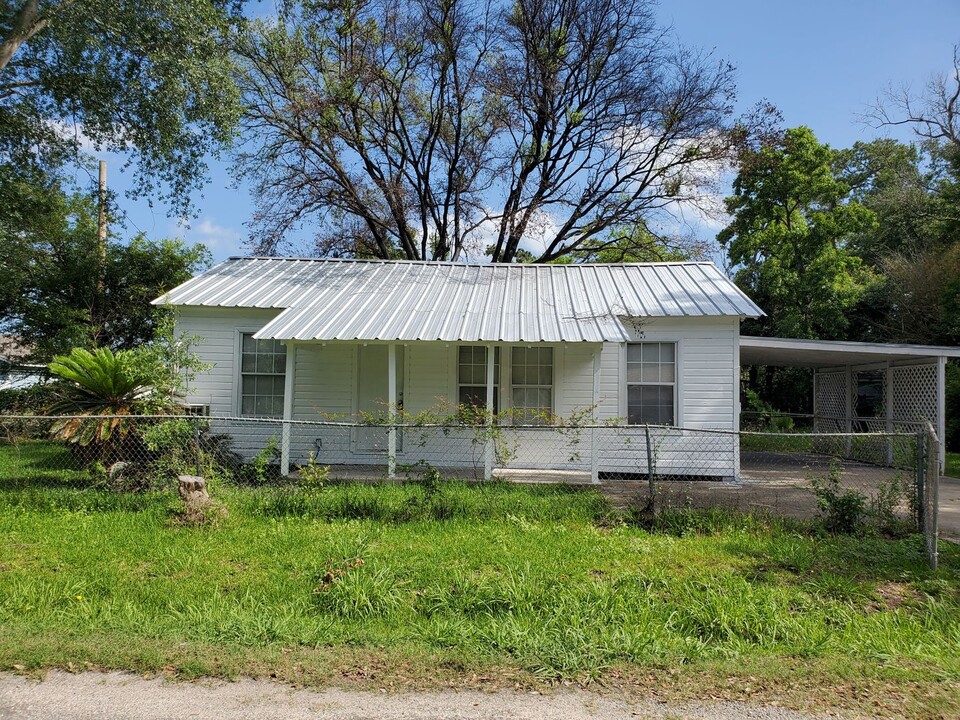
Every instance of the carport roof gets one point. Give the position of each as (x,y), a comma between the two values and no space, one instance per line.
(788,352)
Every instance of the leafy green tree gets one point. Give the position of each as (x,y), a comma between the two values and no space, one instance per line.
(152,79)
(792,221)
(32,209)
(635,244)
(899,184)
(923,297)
(55,293)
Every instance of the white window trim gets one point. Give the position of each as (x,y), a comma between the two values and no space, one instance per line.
(677,384)
(497,380)
(238,375)
(505,379)
(554,370)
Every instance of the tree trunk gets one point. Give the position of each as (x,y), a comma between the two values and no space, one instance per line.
(26,24)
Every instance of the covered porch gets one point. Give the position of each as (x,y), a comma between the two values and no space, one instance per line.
(384,406)
(864,387)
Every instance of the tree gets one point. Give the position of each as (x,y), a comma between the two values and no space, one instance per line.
(50,278)
(431,128)
(924,281)
(792,219)
(934,115)
(924,297)
(152,79)
(898,183)
(634,244)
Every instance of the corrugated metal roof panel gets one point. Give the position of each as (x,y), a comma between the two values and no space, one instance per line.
(399,300)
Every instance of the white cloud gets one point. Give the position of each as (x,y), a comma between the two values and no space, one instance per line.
(221,240)
(702,183)
(75,132)
(541,230)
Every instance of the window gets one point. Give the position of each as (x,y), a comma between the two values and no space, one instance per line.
(532,377)
(651,382)
(472,377)
(263,365)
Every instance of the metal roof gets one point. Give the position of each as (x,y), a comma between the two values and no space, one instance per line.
(788,352)
(404,300)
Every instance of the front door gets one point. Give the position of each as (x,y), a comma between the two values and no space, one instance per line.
(373,396)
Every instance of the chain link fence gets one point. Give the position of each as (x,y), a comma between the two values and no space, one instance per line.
(888,479)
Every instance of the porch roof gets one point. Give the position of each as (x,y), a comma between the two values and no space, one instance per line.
(333,299)
(787,352)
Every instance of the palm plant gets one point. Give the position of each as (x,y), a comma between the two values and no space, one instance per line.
(100,392)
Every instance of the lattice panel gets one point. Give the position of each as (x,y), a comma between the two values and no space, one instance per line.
(914,394)
(830,402)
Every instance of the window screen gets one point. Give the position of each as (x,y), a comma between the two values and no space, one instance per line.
(651,383)
(532,377)
(472,377)
(263,365)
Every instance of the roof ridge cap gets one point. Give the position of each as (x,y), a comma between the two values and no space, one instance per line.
(398,261)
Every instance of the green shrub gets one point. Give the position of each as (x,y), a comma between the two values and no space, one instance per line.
(844,511)
(263,468)
(761,416)
(313,475)
(886,507)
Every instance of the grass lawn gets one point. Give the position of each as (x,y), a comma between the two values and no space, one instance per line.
(953,464)
(490,584)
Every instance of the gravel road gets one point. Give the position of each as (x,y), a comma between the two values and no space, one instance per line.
(121,696)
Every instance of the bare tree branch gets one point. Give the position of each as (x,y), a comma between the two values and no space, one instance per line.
(444,125)
(934,113)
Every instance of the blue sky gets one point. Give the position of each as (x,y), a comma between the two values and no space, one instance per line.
(820,62)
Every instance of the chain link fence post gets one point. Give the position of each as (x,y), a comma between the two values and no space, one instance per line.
(650,471)
(921,472)
(196,441)
(931,494)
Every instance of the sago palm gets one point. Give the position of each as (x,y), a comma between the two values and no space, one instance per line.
(99,384)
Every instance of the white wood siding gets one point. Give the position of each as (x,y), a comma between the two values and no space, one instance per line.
(216,343)
(324,382)
(706,398)
(610,383)
(325,388)
(706,358)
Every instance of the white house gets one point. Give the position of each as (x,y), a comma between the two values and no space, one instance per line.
(330,340)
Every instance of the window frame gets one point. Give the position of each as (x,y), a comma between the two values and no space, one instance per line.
(514,385)
(497,371)
(239,375)
(675,385)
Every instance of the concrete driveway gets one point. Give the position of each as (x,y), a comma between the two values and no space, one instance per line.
(950,507)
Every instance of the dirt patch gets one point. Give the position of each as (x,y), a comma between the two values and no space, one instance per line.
(894,594)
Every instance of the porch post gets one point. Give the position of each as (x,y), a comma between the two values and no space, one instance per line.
(488,450)
(888,409)
(594,445)
(848,410)
(288,381)
(392,417)
(942,410)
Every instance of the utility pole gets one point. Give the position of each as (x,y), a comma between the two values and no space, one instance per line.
(102,228)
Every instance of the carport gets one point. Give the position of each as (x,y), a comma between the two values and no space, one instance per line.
(864,387)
